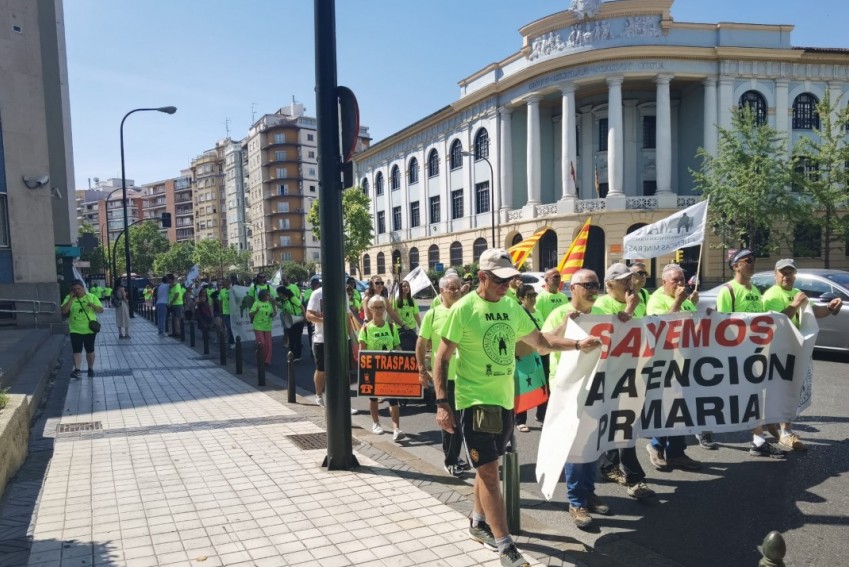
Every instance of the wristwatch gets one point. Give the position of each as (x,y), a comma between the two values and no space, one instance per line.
(441,400)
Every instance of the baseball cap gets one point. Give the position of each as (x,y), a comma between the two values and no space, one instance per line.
(744,253)
(785,263)
(617,271)
(498,262)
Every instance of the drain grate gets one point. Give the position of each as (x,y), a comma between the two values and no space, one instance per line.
(312,441)
(115,372)
(78,427)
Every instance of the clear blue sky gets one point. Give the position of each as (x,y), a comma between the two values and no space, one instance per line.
(219,60)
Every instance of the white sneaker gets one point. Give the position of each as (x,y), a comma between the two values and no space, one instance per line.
(398,435)
(319,401)
(377,429)
(354,411)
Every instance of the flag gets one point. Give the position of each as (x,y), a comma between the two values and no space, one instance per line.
(683,229)
(574,177)
(278,276)
(596,182)
(520,252)
(192,275)
(79,276)
(573,260)
(529,383)
(418,280)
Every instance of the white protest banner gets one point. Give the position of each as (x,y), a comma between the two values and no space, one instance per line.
(683,229)
(194,272)
(671,375)
(79,276)
(418,280)
(240,321)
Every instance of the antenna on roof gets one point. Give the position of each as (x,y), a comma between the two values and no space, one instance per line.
(227,126)
(253,112)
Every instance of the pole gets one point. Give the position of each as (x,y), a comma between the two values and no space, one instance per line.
(339,446)
(492,199)
(260,364)
(511,487)
(222,348)
(238,355)
(126,218)
(290,378)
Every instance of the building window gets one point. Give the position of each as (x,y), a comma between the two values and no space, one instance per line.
(413,171)
(805,170)
(478,248)
(310,137)
(457,204)
(433,163)
(279,138)
(311,154)
(381,222)
(381,263)
(285,241)
(366,265)
(805,115)
(602,135)
(283,189)
(807,241)
(312,188)
(395,178)
(756,102)
(396,218)
(282,172)
(456,155)
(456,254)
(280,156)
(378,184)
(311,172)
(482,144)
(649,187)
(602,190)
(482,200)
(649,132)
(435,209)
(415,215)
(283,207)
(364,185)
(432,257)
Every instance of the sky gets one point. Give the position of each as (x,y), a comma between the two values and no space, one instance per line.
(224,64)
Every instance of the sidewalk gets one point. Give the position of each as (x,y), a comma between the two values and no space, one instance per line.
(165,458)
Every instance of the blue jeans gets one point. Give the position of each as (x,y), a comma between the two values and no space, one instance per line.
(580,483)
(670,447)
(161,316)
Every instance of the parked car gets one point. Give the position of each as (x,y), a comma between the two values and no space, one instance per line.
(821,286)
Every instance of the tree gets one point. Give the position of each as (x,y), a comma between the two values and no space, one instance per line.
(357,223)
(177,260)
(213,257)
(294,271)
(821,174)
(747,185)
(146,243)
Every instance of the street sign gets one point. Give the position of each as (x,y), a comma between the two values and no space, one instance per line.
(82,264)
(386,374)
(440,267)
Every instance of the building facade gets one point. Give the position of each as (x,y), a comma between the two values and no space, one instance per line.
(184,208)
(600,114)
(210,215)
(158,198)
(235,159)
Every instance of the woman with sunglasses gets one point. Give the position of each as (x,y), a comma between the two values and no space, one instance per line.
(638,284)
(526,356)
(377,288)
(408,311)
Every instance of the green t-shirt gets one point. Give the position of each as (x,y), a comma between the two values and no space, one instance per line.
(107,292)
(745,300)
(432,325)
(384,337)
(292,306)
(254,290)
(264,314)
(176,294)
(486,333)
(643,296)
(95,291)
(660,303)
(511,294)
(555,320)
(224,300)
(778,299)
(609,306)
(307,295)
(82,311)
(407,313)
(548,302)
(356,299)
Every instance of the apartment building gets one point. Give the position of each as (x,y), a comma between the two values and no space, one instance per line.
(158,198)
(210,216)
(235,159)
(183,220)
(111,211)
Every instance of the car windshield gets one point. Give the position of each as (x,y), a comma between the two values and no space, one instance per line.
(840,278)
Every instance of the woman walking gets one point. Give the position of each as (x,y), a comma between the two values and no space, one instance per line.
(408,312)
(82,309)
(122,311)
(292,313)
(262,314)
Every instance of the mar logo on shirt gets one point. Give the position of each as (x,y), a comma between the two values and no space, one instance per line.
(496,341)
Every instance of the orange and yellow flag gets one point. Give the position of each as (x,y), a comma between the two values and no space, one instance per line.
(573,260)
(520,252)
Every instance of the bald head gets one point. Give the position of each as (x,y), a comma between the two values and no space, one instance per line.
(584,275)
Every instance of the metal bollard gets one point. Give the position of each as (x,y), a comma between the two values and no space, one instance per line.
(182,330)
(192,334)
(774,550)
(222,347)
(511,487)
(238,355)
(260,364)
(290,378)
(205,341)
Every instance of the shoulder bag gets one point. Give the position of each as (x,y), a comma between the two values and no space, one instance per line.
(92,324)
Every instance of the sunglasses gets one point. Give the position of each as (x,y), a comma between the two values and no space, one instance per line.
(499,281)
(590,286)
(641,274)
(377,283)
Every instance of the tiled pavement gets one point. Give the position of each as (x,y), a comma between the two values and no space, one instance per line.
(190,466)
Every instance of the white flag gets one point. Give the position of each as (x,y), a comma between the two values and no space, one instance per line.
(79,276)
(278,276)
(418,280)
(192,275)
(683,229)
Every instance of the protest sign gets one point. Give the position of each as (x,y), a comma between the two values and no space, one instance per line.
(389,374)
(240,321)
(683,229)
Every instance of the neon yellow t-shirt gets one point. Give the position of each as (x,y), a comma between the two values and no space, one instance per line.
(224,299)
(609,306)
(486,333)
(254,290)
(778,299)
(407,313)
(176,294)
(511,294)
(745,300)
(555,320)
(548,302)
(660,303)
(432,325)
(264,314)
(384,337)
(82,311)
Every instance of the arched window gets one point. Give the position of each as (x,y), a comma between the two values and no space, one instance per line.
(395,178)
(364,185)
(757,103)
(456,155)
(414,258)
(517,238)
(456,254)
(366,265)
(381,263)
(433,163)
(482,144)
(378,183)
(548,250)
(413,171)
(478,248)
(594,255)
(805,115)
(432,257)
(396,262)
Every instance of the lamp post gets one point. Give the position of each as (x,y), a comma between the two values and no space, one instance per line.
(491,191)
(166,110)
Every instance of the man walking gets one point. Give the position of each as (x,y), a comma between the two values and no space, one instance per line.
(161,299)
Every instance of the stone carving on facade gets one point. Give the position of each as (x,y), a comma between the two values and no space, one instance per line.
(590,205)
(641,203)
(584,9)
(514,215)
(684,202)
(546,45)
(547,209)
(587,34)
(641,26)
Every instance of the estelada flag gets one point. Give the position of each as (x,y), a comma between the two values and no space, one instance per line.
(530,383)
(520,252)
(573,260)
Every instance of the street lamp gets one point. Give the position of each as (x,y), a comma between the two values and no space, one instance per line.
(166,110)
(491,190)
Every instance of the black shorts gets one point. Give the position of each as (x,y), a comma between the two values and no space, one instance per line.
(78,341)
(318,354)
(483,448)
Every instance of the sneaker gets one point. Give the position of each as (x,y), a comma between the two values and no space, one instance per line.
(463,465)
(766,450)
(398,435)
(597,506)
(684,462)
(75,374)
(377,429)
(482,534)
(791,442)
(453,470)
(319,401)
(512,557)
(581,517)
(640,490)
(656,458)
(614,474)
(354,411)
(773,430)
(90,373)
(706,441)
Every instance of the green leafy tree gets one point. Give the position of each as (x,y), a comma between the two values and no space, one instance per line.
(357,223)
(821,175)
(177,260)
(294,271)
(747,185)
(213,257)
(146,243)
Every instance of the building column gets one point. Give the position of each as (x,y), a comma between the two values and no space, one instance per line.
(505,168)
(783,110)
(663,109)
(587,153)
(726,92)
(709,141)
(835,91)
(533,152)
(569,142)
(615,139)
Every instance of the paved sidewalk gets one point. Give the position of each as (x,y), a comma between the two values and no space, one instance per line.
(181,463)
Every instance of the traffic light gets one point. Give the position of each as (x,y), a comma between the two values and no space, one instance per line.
(679,256)
(166,220)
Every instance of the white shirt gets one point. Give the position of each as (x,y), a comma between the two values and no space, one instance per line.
(316,304)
